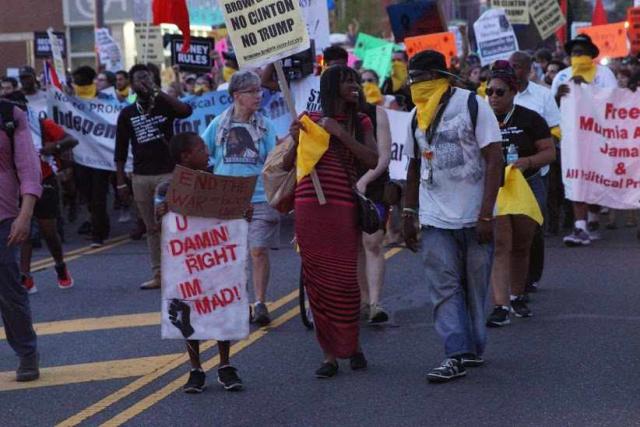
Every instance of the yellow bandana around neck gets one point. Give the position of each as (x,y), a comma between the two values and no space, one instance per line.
(584,67)
(123,93)
(482,89)
(398,75)
(372,93)
(427,96)
(86,91)
(227,72)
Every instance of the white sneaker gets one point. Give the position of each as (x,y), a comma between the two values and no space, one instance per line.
(579,237)
(125,216)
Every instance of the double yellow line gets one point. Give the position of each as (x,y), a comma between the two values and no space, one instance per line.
(77,253)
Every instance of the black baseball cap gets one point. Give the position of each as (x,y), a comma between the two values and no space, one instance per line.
(428,60)
(26,71)
(584,40)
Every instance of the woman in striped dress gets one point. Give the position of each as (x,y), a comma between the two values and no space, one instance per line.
(328,234)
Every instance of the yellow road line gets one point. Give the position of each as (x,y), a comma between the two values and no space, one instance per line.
(91,251)
(165,391)
(87,372)
(392,252)
(78,251)
(159,372)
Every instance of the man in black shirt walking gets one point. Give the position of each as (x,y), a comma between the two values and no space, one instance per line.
(147,125)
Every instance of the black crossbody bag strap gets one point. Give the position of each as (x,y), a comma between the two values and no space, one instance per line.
(434,125)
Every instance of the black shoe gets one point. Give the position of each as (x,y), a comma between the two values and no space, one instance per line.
(358,361)
(28,369)
(471,361)
(261,314)
(378,315)
(96,243)
(448,370)
(519,308)
(498,317)
(229,379)
(531,288)
(196,383)
(327,370)
(85,228)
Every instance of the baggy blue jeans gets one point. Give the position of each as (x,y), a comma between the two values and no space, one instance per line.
(457,270)
(14,300)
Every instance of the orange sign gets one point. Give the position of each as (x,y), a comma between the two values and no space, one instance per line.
(611,39)
(445,43)
(633,17)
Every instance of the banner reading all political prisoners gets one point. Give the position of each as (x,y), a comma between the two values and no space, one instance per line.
(264,31)
(601,146)
(93,123)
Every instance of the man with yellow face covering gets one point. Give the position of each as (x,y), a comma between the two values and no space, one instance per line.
(583,70)
(454,172)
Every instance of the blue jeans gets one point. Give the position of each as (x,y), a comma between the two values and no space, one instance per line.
(457,270)
(14,300)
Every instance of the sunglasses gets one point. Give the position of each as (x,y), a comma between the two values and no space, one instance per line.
(498,92)
(368,81)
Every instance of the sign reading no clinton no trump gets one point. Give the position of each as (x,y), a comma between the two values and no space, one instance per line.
(199,55)
(264,31)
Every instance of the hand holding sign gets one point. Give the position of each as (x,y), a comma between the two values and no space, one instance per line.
(180,317)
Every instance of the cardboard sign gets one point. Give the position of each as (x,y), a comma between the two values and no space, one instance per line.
(379,60)
(265,31)
(108,50)
(202,194)
(149,46)
(316,15)
(42,44)
(199,56)
(416,19)
(56,53)
(445,43)
(517,10)
(633,17)
(401,141)
(204,278)
(494,36)
(611,39)
(547,16)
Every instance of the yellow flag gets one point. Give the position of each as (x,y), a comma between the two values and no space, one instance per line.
(314,142)
(516,197)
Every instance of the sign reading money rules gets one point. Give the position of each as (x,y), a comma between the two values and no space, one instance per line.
(199,56)
(264,31)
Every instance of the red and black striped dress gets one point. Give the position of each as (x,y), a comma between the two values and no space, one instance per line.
(328,237)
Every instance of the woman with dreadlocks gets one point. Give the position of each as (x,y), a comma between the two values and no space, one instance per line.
(328,234)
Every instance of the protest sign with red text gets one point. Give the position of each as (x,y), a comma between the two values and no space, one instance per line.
(601,146)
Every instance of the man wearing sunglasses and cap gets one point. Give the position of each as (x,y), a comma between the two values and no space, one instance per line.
(583,70)
(455,169)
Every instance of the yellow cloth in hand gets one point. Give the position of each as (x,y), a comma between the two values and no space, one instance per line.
(584,67)
(399,75)
(372,93)
(227,72)
(555,132)
(516,197)
(427,96)
(313,143)
(86,91)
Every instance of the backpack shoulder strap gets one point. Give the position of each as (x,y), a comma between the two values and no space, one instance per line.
(472,104)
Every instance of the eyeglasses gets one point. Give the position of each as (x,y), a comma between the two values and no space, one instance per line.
(498,92)
(252,91)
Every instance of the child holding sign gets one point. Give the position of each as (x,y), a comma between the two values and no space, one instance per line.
(189,150)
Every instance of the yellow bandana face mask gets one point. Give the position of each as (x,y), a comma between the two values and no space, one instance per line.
(86,91)
(398,75)
(200,89)
(372,93)
(227,72)
(584,67)
(124,92)
(482,90)
(427,96)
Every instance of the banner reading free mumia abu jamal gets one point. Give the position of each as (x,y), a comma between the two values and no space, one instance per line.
(264,31)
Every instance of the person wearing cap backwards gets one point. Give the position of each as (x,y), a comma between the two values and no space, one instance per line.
(453,177)
(583,70)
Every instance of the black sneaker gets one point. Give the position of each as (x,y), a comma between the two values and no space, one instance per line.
(96,243)
(229,379)
(378,315)
(261,314)
(498,317)
(519,308)
(358,361)
(531,288)
(471,361)
(448,370)
(327,370)
(28,370)
(195,384)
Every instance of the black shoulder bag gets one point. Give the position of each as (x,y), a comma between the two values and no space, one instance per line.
(369,220)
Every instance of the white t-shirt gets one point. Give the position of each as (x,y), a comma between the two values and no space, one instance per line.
(539,99)
(454,199)
(604,78)
(306,94)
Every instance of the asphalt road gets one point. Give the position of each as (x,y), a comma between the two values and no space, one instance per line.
(574,363)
